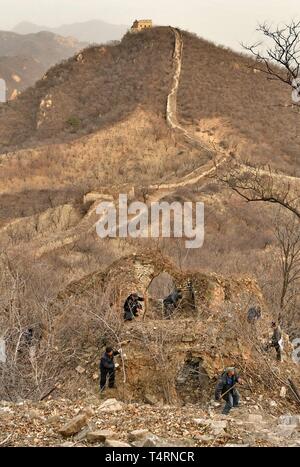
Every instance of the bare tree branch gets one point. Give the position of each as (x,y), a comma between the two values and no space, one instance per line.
(281,58)
(288,237)
(262,185)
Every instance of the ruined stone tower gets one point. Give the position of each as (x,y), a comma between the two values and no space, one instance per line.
(141,24)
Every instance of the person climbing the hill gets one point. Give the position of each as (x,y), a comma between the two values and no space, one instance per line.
(108,368)
(276,340)
(170,303)
(132,306)
(226,389)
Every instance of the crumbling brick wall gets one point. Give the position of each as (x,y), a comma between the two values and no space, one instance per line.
(139,25)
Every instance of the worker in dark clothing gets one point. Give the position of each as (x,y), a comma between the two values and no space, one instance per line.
(108,368)
(226,389)
(132,306)
(276,340)
(254,313)
(28,336)
(170,303)
(191,294)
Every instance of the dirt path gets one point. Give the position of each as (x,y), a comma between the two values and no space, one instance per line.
(220,156)
(172,118)
(160,190)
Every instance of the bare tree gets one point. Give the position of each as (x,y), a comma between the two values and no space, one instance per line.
(280,61)
(288,236)
(281,58)
(31,364)
(265,186)
(262,185)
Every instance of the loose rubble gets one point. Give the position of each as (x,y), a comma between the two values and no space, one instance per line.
(86,423)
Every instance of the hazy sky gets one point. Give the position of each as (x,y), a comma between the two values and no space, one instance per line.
(227,22)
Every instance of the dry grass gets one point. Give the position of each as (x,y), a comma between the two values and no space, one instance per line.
(102,87)
(221,95)
(76,150)
(137,152)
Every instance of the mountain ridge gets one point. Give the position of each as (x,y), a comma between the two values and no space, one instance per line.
(25,58)
(93,31)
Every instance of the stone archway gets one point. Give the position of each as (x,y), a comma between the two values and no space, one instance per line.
(161,286)
(192,380)
(140,272)
(188,349)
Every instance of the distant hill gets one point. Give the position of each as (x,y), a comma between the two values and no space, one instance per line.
(95,31)
(25,58)
(19,73)
(98,88)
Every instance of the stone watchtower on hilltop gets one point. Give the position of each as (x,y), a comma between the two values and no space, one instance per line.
(140,25)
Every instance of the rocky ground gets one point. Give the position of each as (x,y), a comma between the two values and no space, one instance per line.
(113,423)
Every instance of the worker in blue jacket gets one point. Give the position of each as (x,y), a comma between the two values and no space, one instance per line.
(226,389)
(108,368)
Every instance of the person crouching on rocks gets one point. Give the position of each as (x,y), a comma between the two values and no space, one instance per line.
(108,368)
(132,306)
(226,389)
